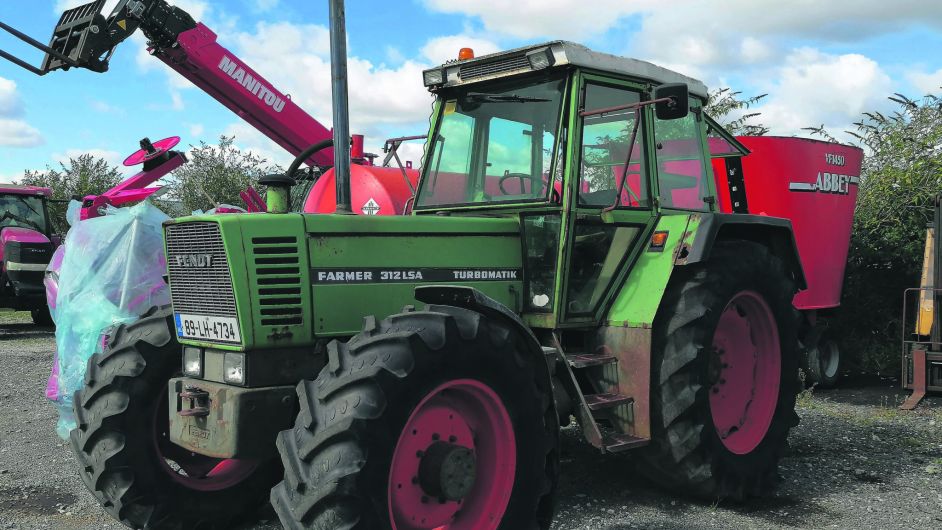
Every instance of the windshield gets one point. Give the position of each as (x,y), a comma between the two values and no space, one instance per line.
(22,210)
(494,144)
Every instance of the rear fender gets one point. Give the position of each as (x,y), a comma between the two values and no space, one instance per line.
(774,232)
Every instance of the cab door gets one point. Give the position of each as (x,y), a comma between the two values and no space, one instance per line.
(612,197)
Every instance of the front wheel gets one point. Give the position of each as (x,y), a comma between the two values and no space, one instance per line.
(428,419)
(121,442)
(725,375)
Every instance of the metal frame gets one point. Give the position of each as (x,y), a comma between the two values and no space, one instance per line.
(925,351)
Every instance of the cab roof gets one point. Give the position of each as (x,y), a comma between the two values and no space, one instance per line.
(564,53)
(19,189)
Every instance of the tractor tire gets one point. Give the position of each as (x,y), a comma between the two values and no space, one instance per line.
(42,318)
(824,362)
(120,441)
(714,438)
(372,442)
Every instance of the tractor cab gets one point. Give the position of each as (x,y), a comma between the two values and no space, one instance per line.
(588,149)
(26,246)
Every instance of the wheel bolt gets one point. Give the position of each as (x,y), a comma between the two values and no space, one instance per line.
(420,453)
(453,438)
(435,436)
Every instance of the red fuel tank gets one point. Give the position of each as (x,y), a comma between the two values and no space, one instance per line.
(814,184)
(374,191)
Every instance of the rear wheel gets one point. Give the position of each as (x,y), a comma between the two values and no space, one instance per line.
(426,420)
(127,460)
(41,317)
(725,375)
(824,362)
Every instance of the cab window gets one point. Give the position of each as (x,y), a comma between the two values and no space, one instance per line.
(605,151)
(681,174)
(494,144)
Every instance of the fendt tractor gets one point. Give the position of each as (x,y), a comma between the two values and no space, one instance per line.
(26,245)
(579,245)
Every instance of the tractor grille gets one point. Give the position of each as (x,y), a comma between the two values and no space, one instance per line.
(200,282)
(504,66)
(32,253)
(278,270)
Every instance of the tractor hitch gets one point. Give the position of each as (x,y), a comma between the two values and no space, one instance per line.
(223,421)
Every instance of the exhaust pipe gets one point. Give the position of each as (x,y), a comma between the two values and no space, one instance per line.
(338,70)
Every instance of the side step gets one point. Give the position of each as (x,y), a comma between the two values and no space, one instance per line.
(606,401)
(585,360)
(618,442)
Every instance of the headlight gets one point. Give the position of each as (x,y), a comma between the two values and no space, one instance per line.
(435,76)
(192,361)
(234,368)
(540,59)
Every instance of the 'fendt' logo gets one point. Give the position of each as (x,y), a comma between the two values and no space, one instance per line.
(194,261)
(237,73)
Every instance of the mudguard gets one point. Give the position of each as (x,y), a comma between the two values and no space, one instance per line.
(475,300)
(773,232)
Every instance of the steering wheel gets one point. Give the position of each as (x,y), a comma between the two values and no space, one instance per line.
(535,180)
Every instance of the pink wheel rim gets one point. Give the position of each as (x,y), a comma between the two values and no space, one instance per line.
(466,414)
(745,372)
(192,470)
(161,146)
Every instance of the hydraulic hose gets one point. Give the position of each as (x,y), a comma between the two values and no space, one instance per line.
(308,153)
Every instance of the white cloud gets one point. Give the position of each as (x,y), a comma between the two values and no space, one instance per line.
(12,178)
(812,18)
(247,138)
(10,103)
(112,157)
(927,82)
(199,10)
(196,131)
(814,88)
(696,36)
(15,132)
(527,19)
(441,49)
(105,107)
(62,5)
(18,133)
(295,59)
(265,5)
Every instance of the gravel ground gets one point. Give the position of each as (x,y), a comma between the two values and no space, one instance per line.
(855,462)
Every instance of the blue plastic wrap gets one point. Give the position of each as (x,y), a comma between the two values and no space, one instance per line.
(111,272)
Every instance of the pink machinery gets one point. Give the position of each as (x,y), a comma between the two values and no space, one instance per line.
(86,38)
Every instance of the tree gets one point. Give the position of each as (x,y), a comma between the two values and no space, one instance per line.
(85,175)
(216,174)
(725,106)
(900,179)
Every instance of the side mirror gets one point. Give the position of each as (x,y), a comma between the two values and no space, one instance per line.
(677,107)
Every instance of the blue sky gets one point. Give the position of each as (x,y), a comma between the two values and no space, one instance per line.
(820,63)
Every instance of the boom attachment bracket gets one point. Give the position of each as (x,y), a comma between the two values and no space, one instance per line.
(85,38)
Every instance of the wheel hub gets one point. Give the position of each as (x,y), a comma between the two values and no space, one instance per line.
(454,464)
(744,372)
(447,471)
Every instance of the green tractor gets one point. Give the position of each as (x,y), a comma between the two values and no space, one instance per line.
(564,257)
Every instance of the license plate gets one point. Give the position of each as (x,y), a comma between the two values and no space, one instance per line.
(216,329)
